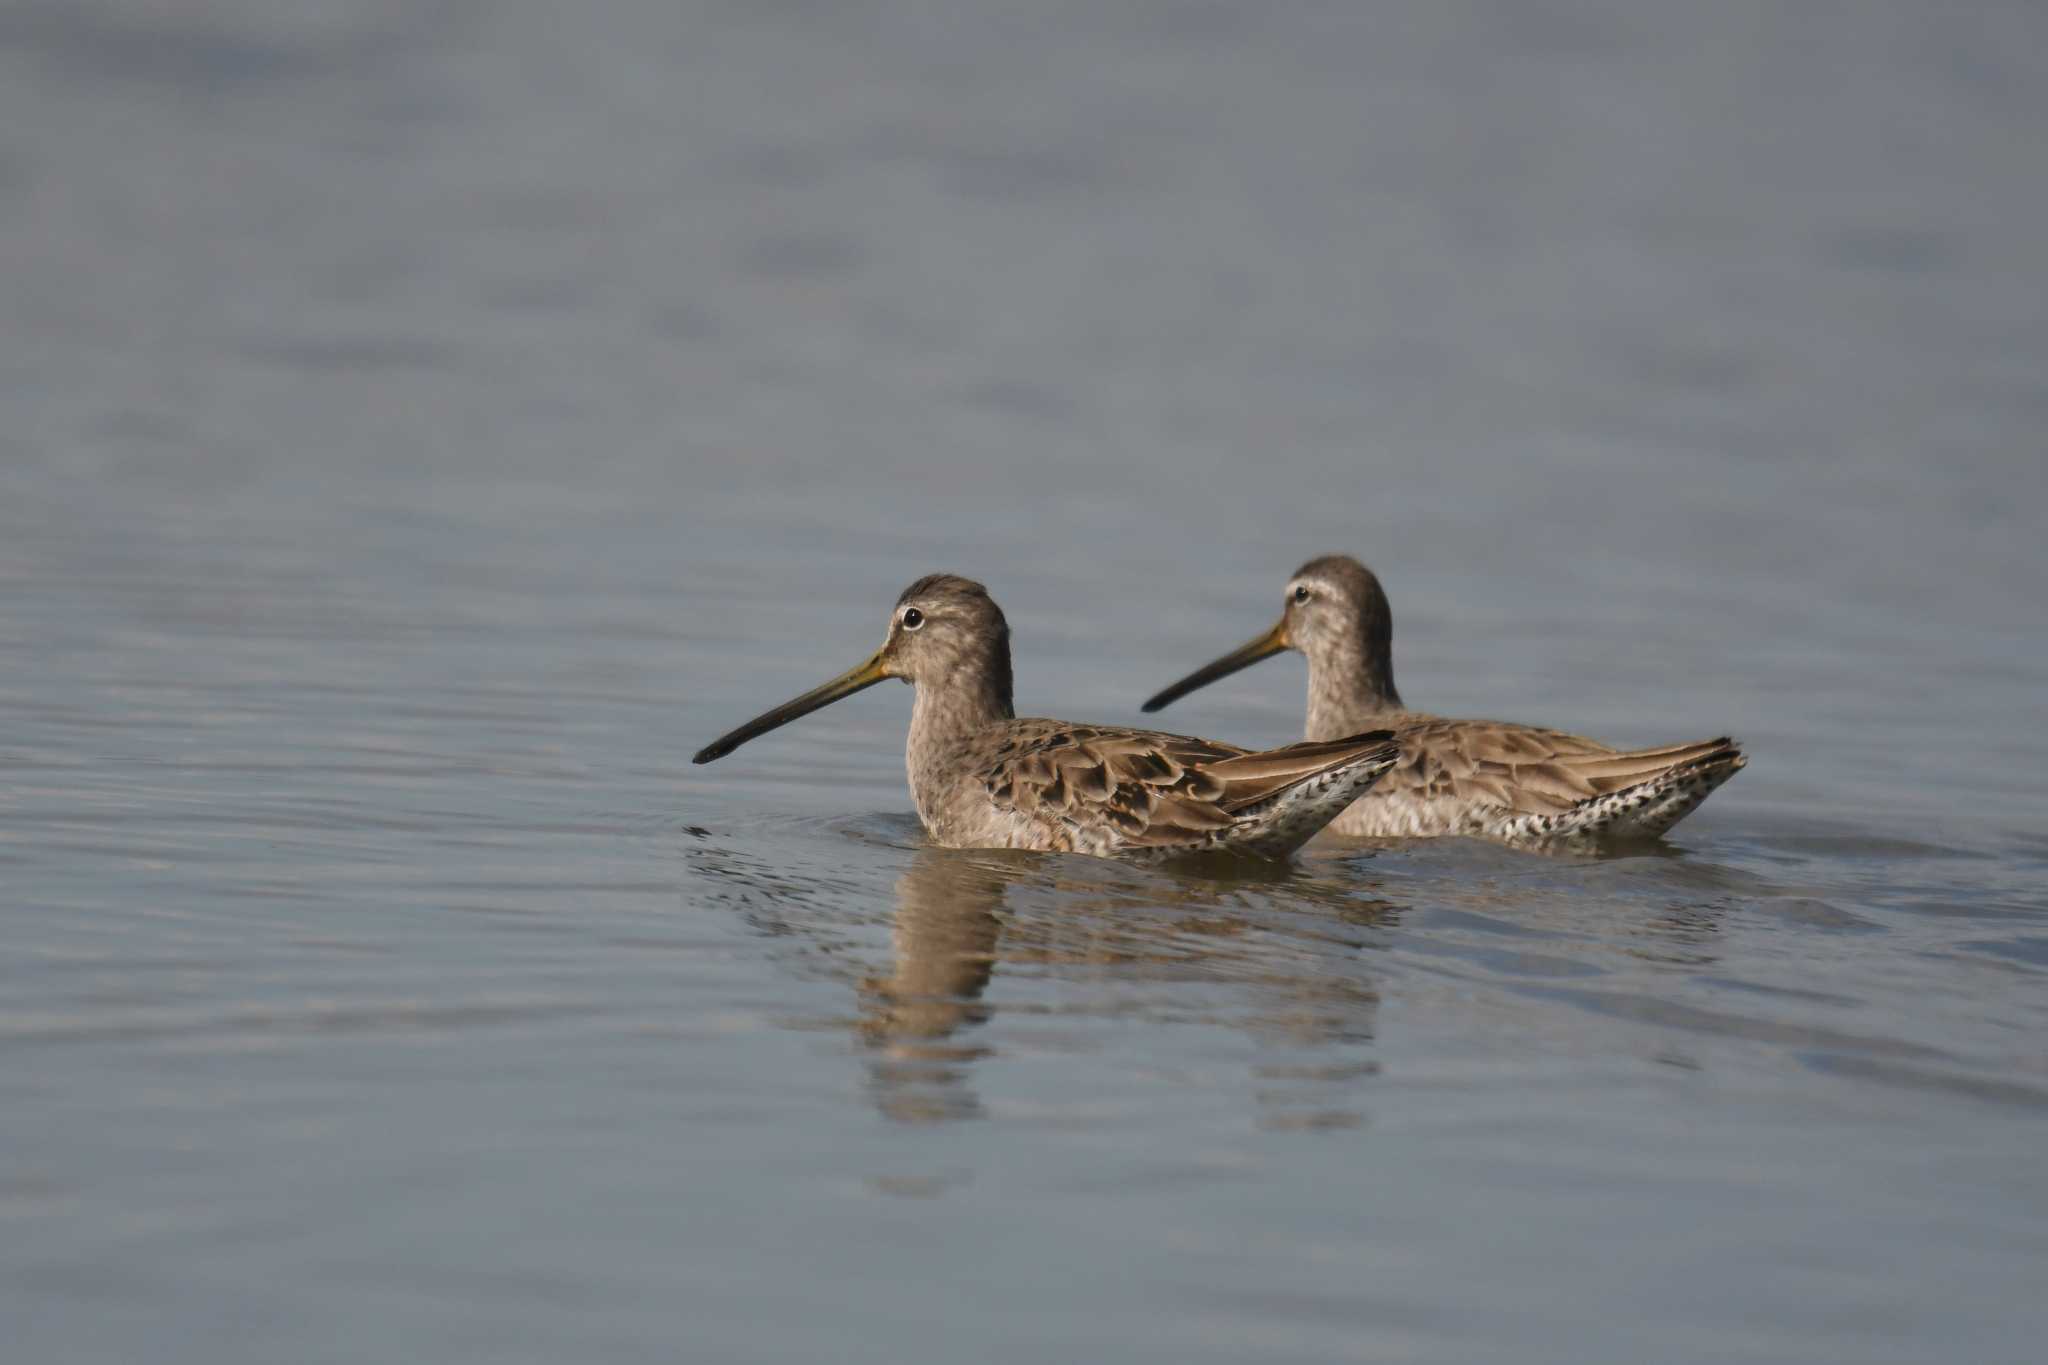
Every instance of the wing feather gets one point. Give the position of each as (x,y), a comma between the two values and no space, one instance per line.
(1522,768)
(1154,789)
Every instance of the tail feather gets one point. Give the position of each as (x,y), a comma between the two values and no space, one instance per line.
(1648,806)
(1328,776)
(1249,779)
(1608,773)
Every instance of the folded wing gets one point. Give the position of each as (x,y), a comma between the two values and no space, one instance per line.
(1157,790)
(1527,770)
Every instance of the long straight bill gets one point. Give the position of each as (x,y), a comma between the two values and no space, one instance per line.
(1244,656)
(845,685)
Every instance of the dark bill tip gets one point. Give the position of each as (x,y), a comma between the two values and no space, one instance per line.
(1244,656)
(845,685)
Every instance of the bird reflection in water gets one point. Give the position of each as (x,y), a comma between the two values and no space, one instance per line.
(945,936)
(1271,952)
(1285,957)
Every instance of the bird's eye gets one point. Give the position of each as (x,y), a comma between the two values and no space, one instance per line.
(1301,594)
(912,619)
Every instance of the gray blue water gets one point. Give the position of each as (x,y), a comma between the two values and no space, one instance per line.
(423,425)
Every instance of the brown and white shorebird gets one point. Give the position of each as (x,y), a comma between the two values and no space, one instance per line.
(1492,778)
(983,778)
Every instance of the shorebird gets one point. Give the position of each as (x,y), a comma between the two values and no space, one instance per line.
(983,778)
(1515,783)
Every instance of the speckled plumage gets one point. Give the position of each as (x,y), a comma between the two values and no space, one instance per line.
(1496,779)
(983,778)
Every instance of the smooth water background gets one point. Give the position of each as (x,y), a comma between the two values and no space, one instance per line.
(423,425)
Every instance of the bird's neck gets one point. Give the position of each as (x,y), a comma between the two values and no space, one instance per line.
(1350,689)
(949,713)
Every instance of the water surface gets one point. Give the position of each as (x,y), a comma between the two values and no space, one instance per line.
(421,427)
